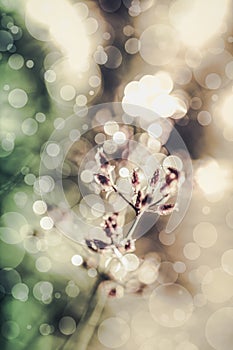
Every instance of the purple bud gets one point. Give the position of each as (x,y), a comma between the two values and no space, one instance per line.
(129,245)
(107,230)
(101,158)
(100,244)
(147,199)
(155,178)
(110,225)
(173,175)
(138,200)
(135,179)
(166,209)
(102,180)
(112,292)
(91,245)
(96,244)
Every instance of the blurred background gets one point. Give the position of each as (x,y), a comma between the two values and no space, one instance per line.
(60,58)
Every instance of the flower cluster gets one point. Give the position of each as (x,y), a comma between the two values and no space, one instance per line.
(125,274)
(156,197)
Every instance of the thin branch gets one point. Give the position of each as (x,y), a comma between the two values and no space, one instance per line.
(125,199)
(117,252)
(134,225)
(86,326)
(158,201)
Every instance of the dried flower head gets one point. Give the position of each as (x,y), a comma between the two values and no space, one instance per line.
(153,197)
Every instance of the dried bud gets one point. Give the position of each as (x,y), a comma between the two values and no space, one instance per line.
(138,200)
(155,178)
(135,180)
(142,201)
(101,159)
(110,225)
(112,292)
(112,289)
(96,244)
(171,180)
(104,181)
(166,209)
(129,246)
(146,200)
(173,175)
(91,245)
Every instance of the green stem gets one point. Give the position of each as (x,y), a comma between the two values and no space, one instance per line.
(88,322)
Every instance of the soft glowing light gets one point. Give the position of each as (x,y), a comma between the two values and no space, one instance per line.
(198,21)
(155,130)
(119,137)
(153,92)
(113,332)
(227,111)
(212,286)
(77,260)
(204,118)
(205,234)
(164,105)
(130,262)
(43,264)
(148,273)
(170,305)
(39,207)
(211,178)
(159,44)
(67,92)
(124,172)
(65,27)
(111,127)
(219,327)
(46,223)
(191,251)
(17,98)
(67,325)
(227,261)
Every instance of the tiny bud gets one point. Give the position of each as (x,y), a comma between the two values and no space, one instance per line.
(112,289)
(110,225)
(91,245)
(112,292)
(101,158)
(103,180)
(96,244)
(166,209)
(155,178)
(135,179)
(138,200)
(147,199)
(173,175)
(127,246)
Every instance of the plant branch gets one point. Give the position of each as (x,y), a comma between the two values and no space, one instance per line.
(134,225)
(125,199)
(88,322)
(157,202)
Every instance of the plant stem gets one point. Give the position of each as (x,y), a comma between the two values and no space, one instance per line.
(117,252)
(88,322)
(132,228)
(138,217)
(125,199)
(158,201)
